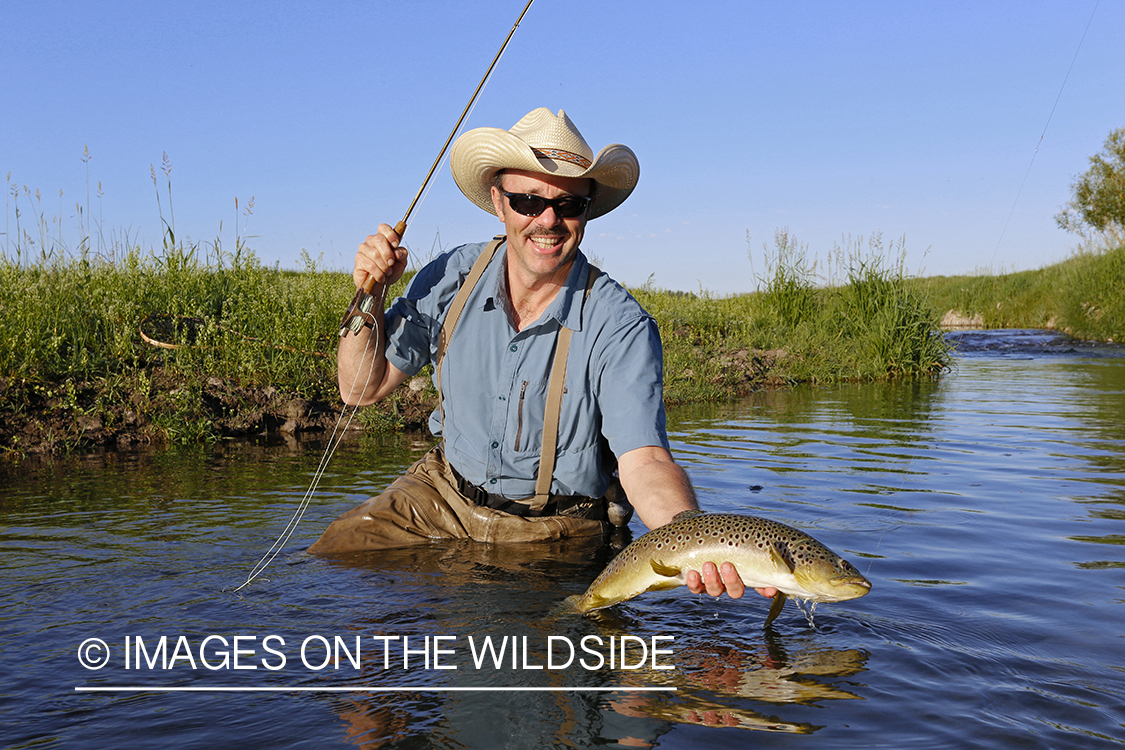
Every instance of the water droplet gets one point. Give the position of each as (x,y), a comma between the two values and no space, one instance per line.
(808,608)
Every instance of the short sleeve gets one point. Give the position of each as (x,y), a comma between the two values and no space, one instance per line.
(630,386)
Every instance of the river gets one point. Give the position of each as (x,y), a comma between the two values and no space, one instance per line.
(987,507)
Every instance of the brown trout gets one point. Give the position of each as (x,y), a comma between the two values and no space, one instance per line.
(767,554)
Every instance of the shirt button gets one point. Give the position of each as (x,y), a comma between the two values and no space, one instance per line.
(492,481)
(503,398)
(495,444)
(512,348)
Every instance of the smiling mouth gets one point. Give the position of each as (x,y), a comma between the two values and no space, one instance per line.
(547,241)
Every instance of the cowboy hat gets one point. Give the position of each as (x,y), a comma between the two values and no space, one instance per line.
(548,144)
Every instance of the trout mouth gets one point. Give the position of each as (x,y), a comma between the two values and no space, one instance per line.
(838,589)
(856,587)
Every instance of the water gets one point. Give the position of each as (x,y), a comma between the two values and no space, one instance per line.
(987,508)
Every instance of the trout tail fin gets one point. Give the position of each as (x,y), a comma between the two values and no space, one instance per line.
(568,606)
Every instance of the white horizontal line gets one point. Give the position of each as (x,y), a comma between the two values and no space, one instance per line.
(357,689)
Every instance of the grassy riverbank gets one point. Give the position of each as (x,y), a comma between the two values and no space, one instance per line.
(1083,295)
(255,344)
(868,323)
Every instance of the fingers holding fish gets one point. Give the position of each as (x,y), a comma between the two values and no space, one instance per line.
(714,580)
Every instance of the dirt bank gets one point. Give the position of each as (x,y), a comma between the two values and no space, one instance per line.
(159,406)
(162,407)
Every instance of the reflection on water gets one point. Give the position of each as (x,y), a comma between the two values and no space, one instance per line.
(987,508)
(724,684)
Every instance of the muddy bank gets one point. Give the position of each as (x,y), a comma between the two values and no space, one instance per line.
(164,406)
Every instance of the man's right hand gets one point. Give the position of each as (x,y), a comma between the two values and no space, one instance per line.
(379,260)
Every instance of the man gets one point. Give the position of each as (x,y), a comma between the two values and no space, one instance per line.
(509,469)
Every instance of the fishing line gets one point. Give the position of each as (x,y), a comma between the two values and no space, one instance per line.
(362,304)
(1027,173)
(334,441)
(1043,135)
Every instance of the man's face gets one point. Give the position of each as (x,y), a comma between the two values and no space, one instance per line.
(542,246)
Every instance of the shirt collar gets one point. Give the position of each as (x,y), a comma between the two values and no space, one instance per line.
(566,308)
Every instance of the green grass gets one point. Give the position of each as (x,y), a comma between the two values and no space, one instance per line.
(76,324)
(81,319)
(871,325)
(71,340)
(1082,295)
(72,351)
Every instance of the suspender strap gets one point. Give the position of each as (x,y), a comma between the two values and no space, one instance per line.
(454,313)
(555,387)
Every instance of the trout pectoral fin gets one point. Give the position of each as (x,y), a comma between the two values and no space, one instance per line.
(781,561)
(775,608)
(667,571)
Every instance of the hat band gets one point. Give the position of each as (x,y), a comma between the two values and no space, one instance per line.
(558,154)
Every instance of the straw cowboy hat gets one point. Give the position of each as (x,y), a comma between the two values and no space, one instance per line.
(545,143)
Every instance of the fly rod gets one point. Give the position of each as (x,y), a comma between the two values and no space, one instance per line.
(362,304)
(358,312)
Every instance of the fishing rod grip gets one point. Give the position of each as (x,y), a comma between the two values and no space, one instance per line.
(361,310)
(369,282)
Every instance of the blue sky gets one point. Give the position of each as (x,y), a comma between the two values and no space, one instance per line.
(829,119)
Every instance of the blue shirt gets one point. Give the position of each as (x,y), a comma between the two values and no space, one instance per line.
(495,377)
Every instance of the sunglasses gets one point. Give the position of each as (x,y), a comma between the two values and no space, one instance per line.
(566,207)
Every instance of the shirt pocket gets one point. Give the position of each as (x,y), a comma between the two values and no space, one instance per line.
(577,429)
(527,430)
